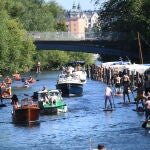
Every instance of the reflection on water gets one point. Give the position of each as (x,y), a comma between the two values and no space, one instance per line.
(82,127)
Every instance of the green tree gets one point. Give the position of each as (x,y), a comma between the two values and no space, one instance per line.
(16,48)
(126,16)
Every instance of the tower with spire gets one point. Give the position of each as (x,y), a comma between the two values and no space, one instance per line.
(75,12)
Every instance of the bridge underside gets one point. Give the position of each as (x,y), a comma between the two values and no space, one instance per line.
(111,48)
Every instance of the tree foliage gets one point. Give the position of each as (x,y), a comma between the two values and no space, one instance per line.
(16,48)
(17,18)
(126,16)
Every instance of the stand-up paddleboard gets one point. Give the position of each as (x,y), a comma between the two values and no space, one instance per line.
(140,109)
(108,109)
(126,103)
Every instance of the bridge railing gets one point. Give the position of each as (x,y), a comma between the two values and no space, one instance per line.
(69,36)
(57,36)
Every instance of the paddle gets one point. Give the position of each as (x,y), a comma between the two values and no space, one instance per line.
(90,144)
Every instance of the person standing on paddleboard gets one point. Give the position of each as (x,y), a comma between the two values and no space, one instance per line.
(147,106)
(108,94)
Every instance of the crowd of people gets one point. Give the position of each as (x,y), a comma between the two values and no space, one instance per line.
(123,83)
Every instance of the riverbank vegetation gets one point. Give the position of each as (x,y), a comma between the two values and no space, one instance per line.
(126,16)
(17,51)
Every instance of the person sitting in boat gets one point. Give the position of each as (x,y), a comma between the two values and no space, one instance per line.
(17,74)
(108,94)
(7,92)
(53,98)
(14,101)
(8,89)
(30,79)
(44,89)
(26,83)
(8,80)
(140,95)
(78,67)
(68,71)
(45,99)
(147,107)
(44,92)
(3,84)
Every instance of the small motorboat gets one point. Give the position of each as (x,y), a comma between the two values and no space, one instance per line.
(51,102)
(26,113)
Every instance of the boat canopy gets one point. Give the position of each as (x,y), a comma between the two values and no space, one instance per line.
(74,63)
(110,64)
(137,68)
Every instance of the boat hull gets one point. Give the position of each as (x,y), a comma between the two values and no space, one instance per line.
(70,89)
(26,114)
(53,110)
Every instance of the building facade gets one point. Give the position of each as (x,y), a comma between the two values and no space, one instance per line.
(78,21)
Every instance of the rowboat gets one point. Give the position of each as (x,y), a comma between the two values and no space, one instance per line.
(26,113)
(51,102)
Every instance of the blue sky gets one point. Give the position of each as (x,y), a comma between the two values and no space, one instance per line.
(85,4)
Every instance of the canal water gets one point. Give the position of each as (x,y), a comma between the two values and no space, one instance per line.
(83,127)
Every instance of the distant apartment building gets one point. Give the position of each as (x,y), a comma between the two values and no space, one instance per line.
(78,21)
